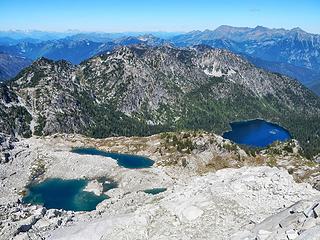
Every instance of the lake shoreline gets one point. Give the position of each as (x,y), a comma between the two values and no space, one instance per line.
(239,127)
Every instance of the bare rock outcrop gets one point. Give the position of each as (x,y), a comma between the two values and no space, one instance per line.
(299,221)
(214,206)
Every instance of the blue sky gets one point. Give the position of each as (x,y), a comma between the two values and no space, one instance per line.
(157,15)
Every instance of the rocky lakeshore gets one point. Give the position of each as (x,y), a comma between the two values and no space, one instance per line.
(215,189)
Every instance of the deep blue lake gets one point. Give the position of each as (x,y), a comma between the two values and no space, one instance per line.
(256,133)
(63,194)
(124,160)
(155,191)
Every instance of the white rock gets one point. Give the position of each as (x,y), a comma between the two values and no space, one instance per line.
(263,234)
(192,212)
(39,212)
(243,235)
(115,193)
(42,223)
(291,234)
(21,236)
(95,187)
(215,205)
(309,223)
(206,207)
(309,211)
(289,220)
(310,234)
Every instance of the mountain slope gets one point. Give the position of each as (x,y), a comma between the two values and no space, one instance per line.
(14,117)
(316,88)
(305,75)
(292,52)
(140,90)
(293,47)
(11,65)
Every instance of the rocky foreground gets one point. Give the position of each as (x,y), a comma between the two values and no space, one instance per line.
(215,189)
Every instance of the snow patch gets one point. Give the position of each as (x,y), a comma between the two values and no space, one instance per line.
(218,73)
(213,72)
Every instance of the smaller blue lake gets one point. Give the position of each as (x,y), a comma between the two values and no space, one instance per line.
(124,160)
(63,194)
(155,191)
(256,133)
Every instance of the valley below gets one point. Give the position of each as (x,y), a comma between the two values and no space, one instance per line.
(211,188)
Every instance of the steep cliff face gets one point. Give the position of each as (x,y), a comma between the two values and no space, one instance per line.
(48,90)
(140,90)
(14,117)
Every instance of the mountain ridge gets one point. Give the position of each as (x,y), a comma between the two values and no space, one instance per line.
(296,51)
(146,90)
(294,47)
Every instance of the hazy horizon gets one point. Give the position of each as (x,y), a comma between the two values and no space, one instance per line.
(157,16)
(76,31)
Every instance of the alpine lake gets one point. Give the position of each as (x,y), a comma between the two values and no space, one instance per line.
(256,133)
(70,195)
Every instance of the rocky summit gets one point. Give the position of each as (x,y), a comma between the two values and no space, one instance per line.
(213,189)
(142,90)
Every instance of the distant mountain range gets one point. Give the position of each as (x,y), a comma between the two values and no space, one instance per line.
(75,48)
(11,65)
(66,49)
(294,52)
(141,90)
(34,35)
